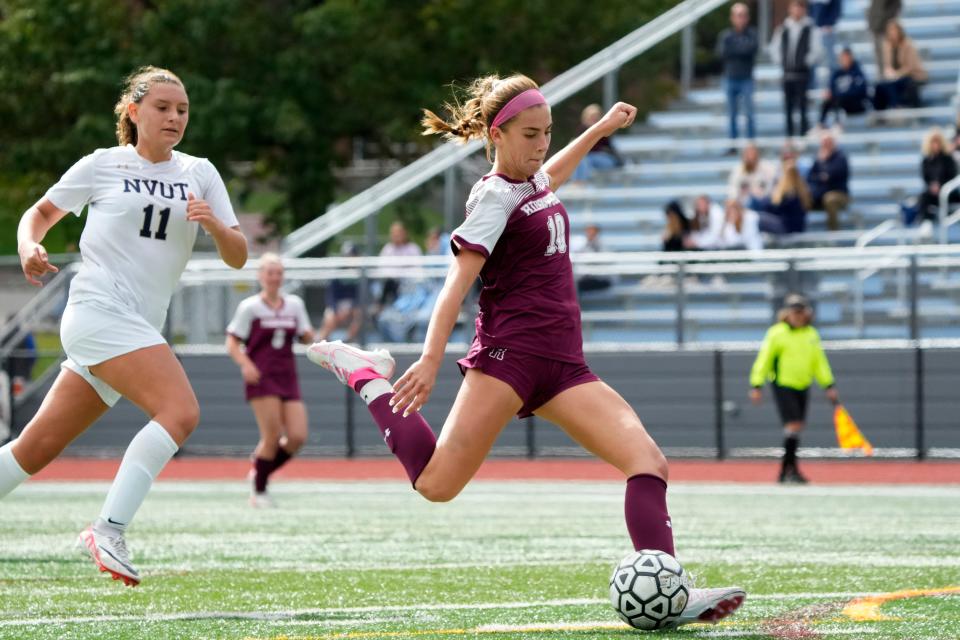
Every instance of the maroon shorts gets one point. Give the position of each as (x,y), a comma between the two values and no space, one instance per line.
(285,387)
(536,380)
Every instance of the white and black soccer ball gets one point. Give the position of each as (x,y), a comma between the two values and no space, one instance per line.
(649,589)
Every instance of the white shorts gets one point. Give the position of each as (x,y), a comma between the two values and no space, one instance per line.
(108,394)
(92,333)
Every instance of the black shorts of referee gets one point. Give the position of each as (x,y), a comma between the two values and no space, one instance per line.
(791,403)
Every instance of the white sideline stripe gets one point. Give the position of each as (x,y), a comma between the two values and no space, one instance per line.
(294,613)
(564,489)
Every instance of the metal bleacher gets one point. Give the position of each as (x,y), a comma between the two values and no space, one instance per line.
(682,152)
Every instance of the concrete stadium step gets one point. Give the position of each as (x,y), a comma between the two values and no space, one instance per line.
(857,9)
(861,187)
(940,24)
(929,48)
(665,146)
(938,70)
(772,99)
(768,123)
(720,168)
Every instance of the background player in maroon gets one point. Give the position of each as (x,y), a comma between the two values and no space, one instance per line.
(260,340)
(527,357)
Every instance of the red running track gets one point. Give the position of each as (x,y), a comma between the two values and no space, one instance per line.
(750,471)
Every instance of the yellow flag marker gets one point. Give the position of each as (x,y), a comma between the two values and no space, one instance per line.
(848,434)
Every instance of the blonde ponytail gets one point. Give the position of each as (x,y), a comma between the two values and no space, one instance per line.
(471,119)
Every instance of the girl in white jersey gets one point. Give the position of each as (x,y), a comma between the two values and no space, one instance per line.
(527,356)
(145,203)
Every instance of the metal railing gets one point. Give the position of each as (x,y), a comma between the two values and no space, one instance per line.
(684,280)
(53,293)
(594,68)
(946,218)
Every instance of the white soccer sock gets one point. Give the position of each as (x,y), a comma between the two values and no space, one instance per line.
(12,474)
(148,453)
(374,389)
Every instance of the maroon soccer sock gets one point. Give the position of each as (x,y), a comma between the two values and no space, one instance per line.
(262,468)
(410,439)
(645,507)
(280,459)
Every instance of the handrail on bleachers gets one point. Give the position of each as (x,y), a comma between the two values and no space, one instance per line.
(946,219)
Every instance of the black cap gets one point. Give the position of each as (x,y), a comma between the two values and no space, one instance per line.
(796,301)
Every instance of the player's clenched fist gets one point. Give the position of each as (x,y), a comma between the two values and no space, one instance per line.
(620,116)
(200,211)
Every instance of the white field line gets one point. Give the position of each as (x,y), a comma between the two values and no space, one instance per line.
(565,490)
(287,614)
(842,559)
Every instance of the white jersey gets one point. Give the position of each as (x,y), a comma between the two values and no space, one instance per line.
(136,241)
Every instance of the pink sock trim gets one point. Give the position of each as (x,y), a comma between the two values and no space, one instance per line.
(362,375)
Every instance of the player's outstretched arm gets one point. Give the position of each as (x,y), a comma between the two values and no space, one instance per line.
(413,388)
(231,244)
(561,166)
(33,227)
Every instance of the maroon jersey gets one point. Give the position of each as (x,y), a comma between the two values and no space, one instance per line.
(529,300)
(269,333)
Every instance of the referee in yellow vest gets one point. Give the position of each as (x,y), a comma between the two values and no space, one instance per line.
(790,358)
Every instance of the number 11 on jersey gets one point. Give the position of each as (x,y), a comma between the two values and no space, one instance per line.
(161,233)
(558,234)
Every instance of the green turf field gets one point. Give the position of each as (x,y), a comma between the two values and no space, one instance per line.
(505,560)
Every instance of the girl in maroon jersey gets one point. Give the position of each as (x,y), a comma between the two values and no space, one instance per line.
(527,356)
(260,340)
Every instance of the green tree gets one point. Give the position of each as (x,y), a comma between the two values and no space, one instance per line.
(278,89)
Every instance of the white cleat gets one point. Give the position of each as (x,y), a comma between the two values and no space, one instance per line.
(709,605)
(110,555)
(344,360)
(262,501)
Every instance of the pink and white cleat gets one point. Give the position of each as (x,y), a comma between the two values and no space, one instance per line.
(344,360)
(709,605)
(109,553)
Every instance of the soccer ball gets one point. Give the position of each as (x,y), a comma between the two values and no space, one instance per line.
(649,589)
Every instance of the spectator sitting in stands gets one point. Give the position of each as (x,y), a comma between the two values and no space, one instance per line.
(741,228)
(677,230)
(938,168)
(437,242)
(828,180)
(406,319)
(752,180)
(590,243)
(399,245)
(603,156)
(848,92)
(902,71)
(706,224)
(342,303)
(790,200)
(879,13)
